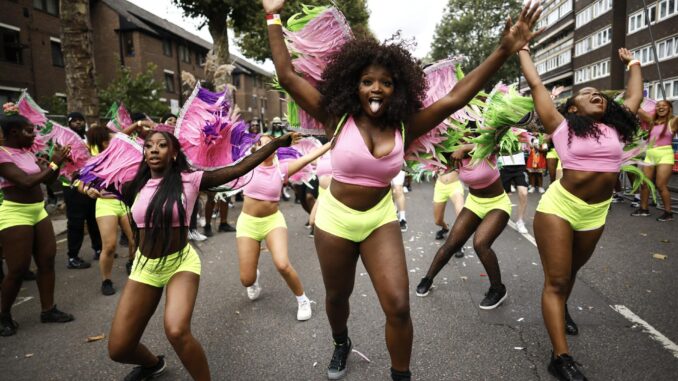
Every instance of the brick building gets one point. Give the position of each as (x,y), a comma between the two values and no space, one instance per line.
(579,47)
(124,34)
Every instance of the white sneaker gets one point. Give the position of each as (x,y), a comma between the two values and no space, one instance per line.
(304,311)
(201,222)
(520,225)
(541,190)
(513,189)
(530,189)
(194,235)
(254,290)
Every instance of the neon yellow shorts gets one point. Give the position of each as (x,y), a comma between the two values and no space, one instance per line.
(18,214)
(258,228)
(321,190)
(338,219)
(155,273)
(552,154)
(442,192)
(581,216)
(110,207)
(482,206)
(659,155)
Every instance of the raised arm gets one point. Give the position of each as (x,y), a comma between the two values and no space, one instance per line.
(546,109)
(513,38)
(296,165)
(48,174)
(644,116)
(137,126)
(224,175)
(634,89)
(306,96)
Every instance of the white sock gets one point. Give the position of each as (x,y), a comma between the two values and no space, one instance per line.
(302,298)
(401,215)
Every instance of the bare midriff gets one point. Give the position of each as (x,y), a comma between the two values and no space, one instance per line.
(590,187)
(259,208)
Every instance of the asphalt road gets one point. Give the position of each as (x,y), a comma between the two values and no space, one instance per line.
(454,339)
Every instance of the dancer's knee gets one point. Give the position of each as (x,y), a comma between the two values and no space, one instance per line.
(398,311)
(177,334)
(557,285)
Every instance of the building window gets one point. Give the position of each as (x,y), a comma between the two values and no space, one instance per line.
(236,80)
(184,53)
(167,47)
(169,81)
(666,49)
(10,46)
(591,12)
(9,94)
(57,55)
(128,44)
(593,41)
(638,21)
(591,72)
(49,6)
(200,58)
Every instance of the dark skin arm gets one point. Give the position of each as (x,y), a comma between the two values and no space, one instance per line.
(224,175)
(23,181)
(546,109)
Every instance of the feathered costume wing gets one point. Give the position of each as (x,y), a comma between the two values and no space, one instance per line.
(118,117)
(51,133)
(115,166)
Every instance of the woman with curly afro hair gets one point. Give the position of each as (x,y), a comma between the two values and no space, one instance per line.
(588,133)
(370,101)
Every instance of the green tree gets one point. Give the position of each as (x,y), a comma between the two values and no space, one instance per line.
(246,18)
(138,92)
(473,28)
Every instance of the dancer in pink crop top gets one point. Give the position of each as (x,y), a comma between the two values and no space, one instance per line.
(377,90)
(588,133)
(659,157)
(486,212)
(25,228)
(162,196)
(261,219)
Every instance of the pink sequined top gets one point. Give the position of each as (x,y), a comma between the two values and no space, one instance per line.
(482,175)
(191,184)
(24,159)
(589,154)
(266,182)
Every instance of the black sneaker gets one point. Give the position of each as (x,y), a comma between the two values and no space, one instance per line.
(667,216)
(617,199)
(403,226)
(29,275)
(107,287)
(77,263)
(493,298)
(142,373)
(8,326)
(53,315)
(440,234)
(570,326)
(123,241)
(208,231)
(128,266)
(459,253)
(564,368)
(226,228)
(640,212)
(424,286)
(337,368)
(97,254)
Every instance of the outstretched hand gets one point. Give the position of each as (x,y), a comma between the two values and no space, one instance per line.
(516,36)
(625,55)
(273,6)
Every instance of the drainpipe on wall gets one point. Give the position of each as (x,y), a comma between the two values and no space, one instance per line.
(654,50)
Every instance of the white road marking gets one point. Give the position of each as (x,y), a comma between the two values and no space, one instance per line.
(624,311)
(647,328)
(61,240)
(21,300)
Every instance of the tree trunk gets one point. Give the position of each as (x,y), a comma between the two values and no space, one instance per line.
(78,51)
(219,32)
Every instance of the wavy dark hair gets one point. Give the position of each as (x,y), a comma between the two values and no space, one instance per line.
(170,193)
(11,122)
(341,79)
(616,116)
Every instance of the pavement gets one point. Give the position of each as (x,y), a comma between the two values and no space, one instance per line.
(623,302)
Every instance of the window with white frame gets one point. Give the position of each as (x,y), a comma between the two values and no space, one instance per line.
(554,62)
(589,73)
(666,49)
(638,20)
(592,11)
(554,14)
(667,8)
(593,41)
(654,90)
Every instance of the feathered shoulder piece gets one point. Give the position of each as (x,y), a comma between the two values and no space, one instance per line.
(119,117)
(115,166)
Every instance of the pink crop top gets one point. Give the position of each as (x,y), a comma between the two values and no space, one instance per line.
(191,185)
(324,166)
(659,139)
(587,154)
(266,182)
(353,163)
(482,175)
(24,159)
